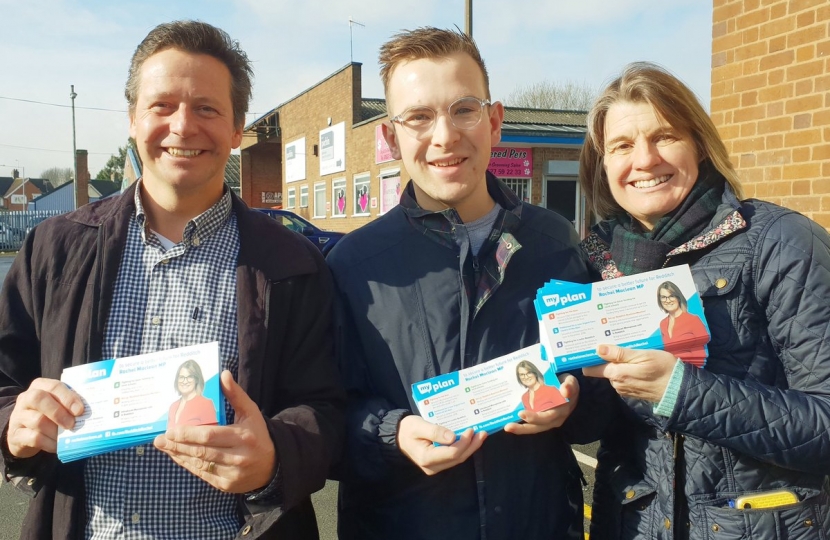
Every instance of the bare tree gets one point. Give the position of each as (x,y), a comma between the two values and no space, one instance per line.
(57,176)
(568,96)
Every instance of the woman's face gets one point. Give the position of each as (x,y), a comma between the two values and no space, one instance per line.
(669,300)
(187,382)
(651,167)
(528,378)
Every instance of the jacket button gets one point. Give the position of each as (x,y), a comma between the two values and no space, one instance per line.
(246,530)
(715,527)
(808,522)
(667,523)
(30,482)
(630,494)
(720,283)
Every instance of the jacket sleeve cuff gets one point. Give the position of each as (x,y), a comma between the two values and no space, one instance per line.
(388,433)
(669,400)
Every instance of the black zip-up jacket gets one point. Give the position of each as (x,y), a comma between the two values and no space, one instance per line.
(413,309)
(53,308)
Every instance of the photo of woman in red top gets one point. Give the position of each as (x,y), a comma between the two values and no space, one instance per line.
(193,409)
(684,334)
(539,396)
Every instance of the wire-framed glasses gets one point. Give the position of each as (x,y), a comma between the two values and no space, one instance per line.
(464,113)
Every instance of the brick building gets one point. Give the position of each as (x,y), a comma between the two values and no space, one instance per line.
(321,154)
(771,98)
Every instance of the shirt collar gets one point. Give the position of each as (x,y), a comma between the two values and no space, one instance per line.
(197,229)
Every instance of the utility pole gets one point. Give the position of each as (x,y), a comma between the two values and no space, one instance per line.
(351,23)
(468,17)
(73,95)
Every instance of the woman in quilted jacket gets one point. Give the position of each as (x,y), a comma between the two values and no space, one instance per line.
(741,447)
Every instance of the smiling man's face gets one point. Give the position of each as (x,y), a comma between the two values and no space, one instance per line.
(448,165)
(183,123)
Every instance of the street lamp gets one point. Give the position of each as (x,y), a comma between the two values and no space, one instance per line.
(73,95)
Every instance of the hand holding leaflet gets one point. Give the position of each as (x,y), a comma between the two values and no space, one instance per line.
(489,396)
(635,373)
(37,413)
(127,401)
(434,448)
(236,459)
(651,310)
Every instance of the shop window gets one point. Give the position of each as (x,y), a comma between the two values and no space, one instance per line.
(338,197)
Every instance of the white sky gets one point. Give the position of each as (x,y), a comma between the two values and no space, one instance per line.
(48,45)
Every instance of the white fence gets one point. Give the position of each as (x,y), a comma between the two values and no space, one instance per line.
(14,226)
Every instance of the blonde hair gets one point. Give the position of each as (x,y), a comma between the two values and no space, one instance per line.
(644,82)
(427,42)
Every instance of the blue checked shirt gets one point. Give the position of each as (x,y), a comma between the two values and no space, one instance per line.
(165,299)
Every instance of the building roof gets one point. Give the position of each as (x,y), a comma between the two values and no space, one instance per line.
(105,187)
(42,185)
(5,184)
(518,121)
(233,171)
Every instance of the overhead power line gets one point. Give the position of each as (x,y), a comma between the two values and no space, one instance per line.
(59,105)
(51,150)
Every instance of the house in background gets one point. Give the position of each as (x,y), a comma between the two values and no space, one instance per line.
(62,199)
(16,192)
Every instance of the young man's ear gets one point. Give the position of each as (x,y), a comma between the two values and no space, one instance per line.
(391,137)
(496,119)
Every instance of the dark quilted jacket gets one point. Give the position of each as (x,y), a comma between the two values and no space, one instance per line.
(756,419)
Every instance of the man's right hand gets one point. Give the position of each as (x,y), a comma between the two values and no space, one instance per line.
(33,425)
(416,437)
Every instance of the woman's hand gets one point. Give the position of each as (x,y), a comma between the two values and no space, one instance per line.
(416,437)
(635,373)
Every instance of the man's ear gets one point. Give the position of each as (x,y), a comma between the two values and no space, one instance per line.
(391,137)
(496,119)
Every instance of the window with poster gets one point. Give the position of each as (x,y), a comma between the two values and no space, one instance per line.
(362,183)
(338,197)
(390,189)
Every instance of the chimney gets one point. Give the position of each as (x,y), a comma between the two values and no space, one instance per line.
(82,182)
(15,174)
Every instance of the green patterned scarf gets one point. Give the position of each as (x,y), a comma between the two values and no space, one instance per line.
(635,250)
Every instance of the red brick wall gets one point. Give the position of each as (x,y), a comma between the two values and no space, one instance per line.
(771,98)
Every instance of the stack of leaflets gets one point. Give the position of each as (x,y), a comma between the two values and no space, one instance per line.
(128,401)
(653,310)
(488,396)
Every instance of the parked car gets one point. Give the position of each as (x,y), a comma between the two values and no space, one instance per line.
(324,240)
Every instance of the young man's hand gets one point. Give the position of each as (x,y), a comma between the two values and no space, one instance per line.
(37,413)
(416,437)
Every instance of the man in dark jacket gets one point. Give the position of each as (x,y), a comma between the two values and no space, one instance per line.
(442,282)
(177,260)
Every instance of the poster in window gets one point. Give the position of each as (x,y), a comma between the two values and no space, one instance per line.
(333,149)
(390,193)
(511,162)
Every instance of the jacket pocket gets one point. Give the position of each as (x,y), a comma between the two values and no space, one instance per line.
(637,511)
(808,519)
(719,288)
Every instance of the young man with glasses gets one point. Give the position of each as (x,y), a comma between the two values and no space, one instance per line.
(444,281)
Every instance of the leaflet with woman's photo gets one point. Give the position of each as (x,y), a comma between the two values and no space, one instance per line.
(128,401)
(488,396)
(653,310)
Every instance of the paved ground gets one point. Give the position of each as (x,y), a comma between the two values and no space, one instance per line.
(13,504)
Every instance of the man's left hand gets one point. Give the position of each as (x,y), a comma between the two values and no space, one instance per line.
(537,422)
(238,458)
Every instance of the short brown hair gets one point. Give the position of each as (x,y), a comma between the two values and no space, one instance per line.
(198,38)
(644,82)
(427,42)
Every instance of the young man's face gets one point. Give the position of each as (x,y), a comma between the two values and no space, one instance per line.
(447,164)
(183,122)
